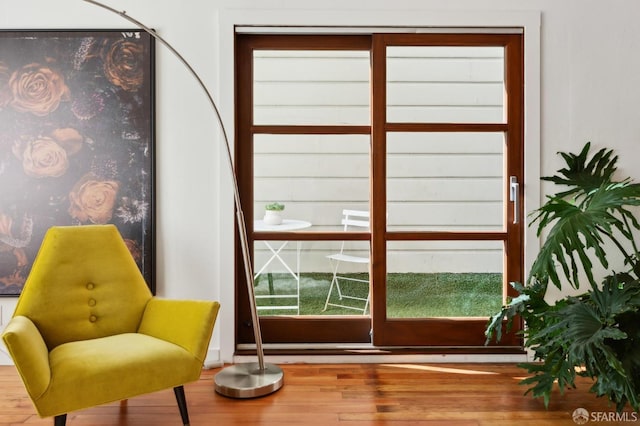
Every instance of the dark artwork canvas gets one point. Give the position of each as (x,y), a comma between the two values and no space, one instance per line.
(76,141)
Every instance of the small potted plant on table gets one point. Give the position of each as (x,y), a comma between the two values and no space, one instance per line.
(273,213)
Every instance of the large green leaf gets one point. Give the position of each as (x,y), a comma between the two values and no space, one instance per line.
(529,304)
(582,225)
(582,176)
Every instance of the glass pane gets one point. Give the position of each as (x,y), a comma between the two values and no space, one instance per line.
(314,176)
(311,87)
(445,181)
(445,84)
(444,278)
(295,278)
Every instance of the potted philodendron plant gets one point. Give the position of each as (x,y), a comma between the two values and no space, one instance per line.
(273,213)
(595,334)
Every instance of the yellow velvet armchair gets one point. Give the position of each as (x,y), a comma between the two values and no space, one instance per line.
(87,330)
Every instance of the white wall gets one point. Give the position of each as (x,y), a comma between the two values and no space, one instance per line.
(590,86)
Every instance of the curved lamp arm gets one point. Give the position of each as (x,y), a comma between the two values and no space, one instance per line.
(242,226)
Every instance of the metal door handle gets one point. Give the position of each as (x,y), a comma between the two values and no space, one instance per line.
(514,196)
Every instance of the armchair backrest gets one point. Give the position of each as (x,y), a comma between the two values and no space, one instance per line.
(83,284)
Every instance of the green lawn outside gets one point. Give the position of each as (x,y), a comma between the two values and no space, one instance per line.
(410,295)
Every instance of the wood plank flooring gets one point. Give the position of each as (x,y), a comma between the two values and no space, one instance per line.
(342,394)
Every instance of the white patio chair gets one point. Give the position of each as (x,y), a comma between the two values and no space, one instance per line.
(350,219)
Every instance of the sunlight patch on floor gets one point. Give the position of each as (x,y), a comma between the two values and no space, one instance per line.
(440,369)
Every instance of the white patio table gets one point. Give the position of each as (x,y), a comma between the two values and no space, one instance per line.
(275,254)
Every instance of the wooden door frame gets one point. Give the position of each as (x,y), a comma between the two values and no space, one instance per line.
(354,329)
(342,329)
(444,331)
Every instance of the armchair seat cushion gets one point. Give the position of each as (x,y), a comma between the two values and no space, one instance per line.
(107,369)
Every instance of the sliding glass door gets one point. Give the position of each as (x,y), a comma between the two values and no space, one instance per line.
(424,133)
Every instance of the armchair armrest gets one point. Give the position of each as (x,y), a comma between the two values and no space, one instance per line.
(186,323)
(29,353)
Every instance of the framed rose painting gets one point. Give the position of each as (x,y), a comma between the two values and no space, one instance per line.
(76,141)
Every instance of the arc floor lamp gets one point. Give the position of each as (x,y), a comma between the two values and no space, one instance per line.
(245,380)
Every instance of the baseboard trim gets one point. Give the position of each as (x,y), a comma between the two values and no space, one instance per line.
(388,358)
(367,353)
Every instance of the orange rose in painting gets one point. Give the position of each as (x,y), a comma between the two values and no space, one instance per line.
(123,65)
(92,200)
(37,89)
(44,157)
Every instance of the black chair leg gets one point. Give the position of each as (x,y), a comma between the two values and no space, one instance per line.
(182,404)
(60,420)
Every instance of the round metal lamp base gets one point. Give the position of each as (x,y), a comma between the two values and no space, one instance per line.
(248,380)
